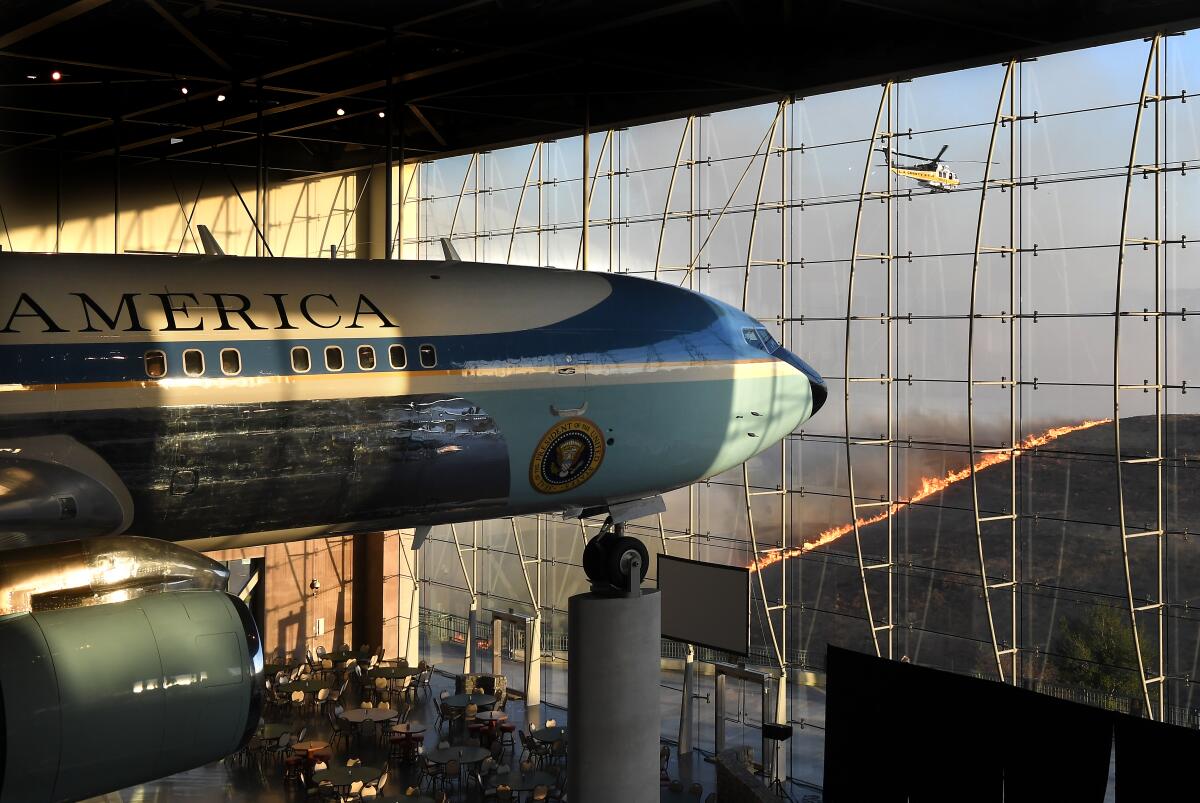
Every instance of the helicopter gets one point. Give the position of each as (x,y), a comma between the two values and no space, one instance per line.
(930,171)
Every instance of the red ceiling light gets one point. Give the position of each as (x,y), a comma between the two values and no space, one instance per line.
(56,76)
(183,89)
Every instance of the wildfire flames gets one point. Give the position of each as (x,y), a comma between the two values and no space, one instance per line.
(929,487)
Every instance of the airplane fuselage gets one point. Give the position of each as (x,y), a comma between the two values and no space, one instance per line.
(236,401)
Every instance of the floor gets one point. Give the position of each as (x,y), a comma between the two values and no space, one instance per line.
(226,781)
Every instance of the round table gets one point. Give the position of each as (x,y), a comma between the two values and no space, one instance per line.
(492,716)
(273,730)
(411,728)
(393,672)
(463,700)
(549,735)
(463,755)
(311,686)
(360,715)
(342,777)
(521,781)
(310,746)
(343,655)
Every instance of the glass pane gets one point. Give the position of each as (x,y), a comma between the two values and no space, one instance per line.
(397,356)
(231,362)
(301,362)
(156,364)
(333,358)
(366,358)
(193,362)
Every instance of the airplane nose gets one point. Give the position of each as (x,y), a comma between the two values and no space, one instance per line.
(820,392)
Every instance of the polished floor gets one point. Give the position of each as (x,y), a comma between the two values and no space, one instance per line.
(230,781)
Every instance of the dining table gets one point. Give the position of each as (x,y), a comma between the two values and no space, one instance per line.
(343,777)
(394,672)
(520,781)
(310,686)
(463,700)
(549,735)
(360,715)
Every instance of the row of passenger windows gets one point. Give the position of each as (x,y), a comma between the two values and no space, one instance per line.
(231,360)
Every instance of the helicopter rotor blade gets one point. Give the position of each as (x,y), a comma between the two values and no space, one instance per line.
(939,153)
(914,156)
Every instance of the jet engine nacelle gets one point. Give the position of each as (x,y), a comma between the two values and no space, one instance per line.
(97,698)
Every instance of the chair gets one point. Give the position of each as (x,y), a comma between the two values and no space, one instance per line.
(676,787)
(341,728)
(431,772)
(320,650)
(712,798)
(381,688)
(297,699)
(375,786)
(451,775)
(504,794)
(540,792)
(696,791)
(664,759)
(558,750)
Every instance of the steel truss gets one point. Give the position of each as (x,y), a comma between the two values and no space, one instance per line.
(1150,604)
(1004,648)
(880,618)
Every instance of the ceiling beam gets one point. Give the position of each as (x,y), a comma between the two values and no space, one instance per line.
(428,126)
(49,21)
(187,34)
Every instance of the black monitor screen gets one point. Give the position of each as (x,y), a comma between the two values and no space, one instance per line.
(705,603)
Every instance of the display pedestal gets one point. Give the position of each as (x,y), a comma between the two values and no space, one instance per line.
(612,695)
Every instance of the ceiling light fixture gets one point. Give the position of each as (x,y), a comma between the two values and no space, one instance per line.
(31,77)
(183,89)
(220,98)
(341,112)
(382,114)
(56,76)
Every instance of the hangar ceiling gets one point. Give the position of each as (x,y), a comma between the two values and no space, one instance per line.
(319,78)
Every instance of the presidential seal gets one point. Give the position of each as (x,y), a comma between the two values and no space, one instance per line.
(567,456)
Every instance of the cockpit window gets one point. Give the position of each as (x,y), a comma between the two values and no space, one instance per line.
(768,342)
(752,338)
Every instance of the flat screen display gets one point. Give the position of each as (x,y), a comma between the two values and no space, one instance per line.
(705,603)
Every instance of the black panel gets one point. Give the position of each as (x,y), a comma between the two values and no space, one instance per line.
(1155,761)
(898,732)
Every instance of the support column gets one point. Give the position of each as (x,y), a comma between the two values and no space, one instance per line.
(402,602)
(533,672)
(370,216)
(685,706)
(367,594)
(612,686)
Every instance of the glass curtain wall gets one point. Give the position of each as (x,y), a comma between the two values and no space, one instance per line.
(991,269)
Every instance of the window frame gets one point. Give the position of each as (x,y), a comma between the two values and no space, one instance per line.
(166,365)
(421,355)
(203,367)
(307,355)
(341,359)
(392,362)
(358,352)
(238,355)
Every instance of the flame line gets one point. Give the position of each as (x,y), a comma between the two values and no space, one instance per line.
(929,487)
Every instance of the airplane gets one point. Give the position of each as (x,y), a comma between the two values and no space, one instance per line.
(932,172)
(215,401)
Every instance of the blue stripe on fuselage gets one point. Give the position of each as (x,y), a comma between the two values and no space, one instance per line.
(642,321)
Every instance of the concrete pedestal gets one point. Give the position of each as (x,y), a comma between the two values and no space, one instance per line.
(612,696)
